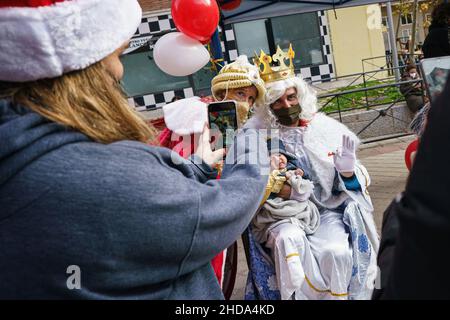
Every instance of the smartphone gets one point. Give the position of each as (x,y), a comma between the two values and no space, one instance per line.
(435,72)
(222,117)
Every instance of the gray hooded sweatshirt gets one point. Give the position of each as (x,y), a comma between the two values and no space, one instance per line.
(84,220)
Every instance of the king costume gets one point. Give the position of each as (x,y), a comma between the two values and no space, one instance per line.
(338,260)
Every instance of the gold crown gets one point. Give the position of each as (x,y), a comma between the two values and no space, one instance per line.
(274,73)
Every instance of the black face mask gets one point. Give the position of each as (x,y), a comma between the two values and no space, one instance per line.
(288,116)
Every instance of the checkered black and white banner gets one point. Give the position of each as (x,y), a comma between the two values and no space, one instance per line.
(156,24)
(325,71)
(157,100)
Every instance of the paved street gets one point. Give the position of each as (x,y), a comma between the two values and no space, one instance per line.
(385,162)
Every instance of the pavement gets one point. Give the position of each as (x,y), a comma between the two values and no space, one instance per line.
(385,163)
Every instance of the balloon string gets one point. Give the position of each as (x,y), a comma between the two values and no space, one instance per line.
(214,62)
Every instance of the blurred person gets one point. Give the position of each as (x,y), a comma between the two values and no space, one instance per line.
(413,257)
(413,92)
(437,42)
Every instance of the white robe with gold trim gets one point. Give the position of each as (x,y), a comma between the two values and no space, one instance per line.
(339,260)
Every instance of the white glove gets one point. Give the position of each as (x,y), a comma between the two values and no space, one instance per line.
(345,158)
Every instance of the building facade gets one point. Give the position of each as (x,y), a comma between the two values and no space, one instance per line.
(403,25)
(310,34)
(356,36)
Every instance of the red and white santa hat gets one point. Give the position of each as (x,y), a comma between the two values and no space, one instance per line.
(47,38)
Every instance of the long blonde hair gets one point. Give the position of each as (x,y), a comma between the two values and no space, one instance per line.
(88,100)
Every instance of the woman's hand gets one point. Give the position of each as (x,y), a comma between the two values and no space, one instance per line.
(204,151)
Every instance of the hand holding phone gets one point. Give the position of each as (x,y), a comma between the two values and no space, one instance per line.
(222,118)
(204,151)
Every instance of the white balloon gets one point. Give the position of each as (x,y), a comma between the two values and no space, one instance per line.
(178,55)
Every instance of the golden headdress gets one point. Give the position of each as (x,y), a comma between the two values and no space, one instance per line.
(274,73)
(238,74)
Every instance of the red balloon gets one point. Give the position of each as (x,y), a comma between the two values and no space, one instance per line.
(231,5)
(412,147)
(197,19)
(206,41)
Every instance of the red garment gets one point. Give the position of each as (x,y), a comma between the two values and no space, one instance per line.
(165,140)
(412,147)
(28,3)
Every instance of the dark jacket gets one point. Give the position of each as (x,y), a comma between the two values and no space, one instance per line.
(437,42)
(136,224)
(413,95)
(414,254)
(389,232)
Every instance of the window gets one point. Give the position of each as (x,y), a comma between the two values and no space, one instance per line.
(387,43)
(384,21)
(406,19)
(202,80)
(406,34)
(251,37)
(404,39)
(302,30)
(142,76)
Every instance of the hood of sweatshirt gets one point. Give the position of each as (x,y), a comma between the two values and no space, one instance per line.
(25,136)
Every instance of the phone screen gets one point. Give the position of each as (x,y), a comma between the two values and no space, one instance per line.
(435,72)
(222,123)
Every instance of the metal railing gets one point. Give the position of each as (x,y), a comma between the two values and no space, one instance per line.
(387,61)
(381,81)
(362,77)
(383,112)
(366,77)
